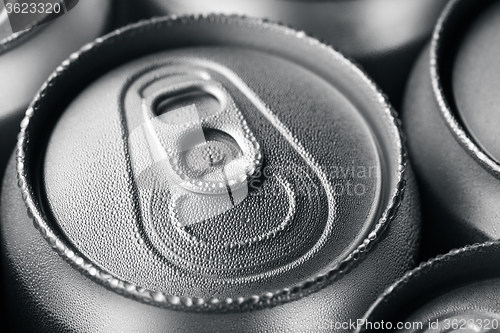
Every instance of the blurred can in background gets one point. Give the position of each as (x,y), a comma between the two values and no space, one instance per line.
(28,57)
(455,292)
(451,120)
(384,36)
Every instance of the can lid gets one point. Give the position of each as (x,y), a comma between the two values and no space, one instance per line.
(476,79)
(211,163)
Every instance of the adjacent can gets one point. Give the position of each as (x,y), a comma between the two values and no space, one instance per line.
(450,117)
(384,36)
(455,292)
(28,57)
(206,173)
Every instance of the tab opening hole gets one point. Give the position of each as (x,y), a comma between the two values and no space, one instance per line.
(189,105)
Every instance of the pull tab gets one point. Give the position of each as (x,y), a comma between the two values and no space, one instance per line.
(195,144)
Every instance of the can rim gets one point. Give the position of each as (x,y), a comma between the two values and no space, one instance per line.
(24,155)
(16,38)
(10,42)
(446,109)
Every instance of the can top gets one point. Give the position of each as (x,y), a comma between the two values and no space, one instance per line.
(476,79)
(209,163)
